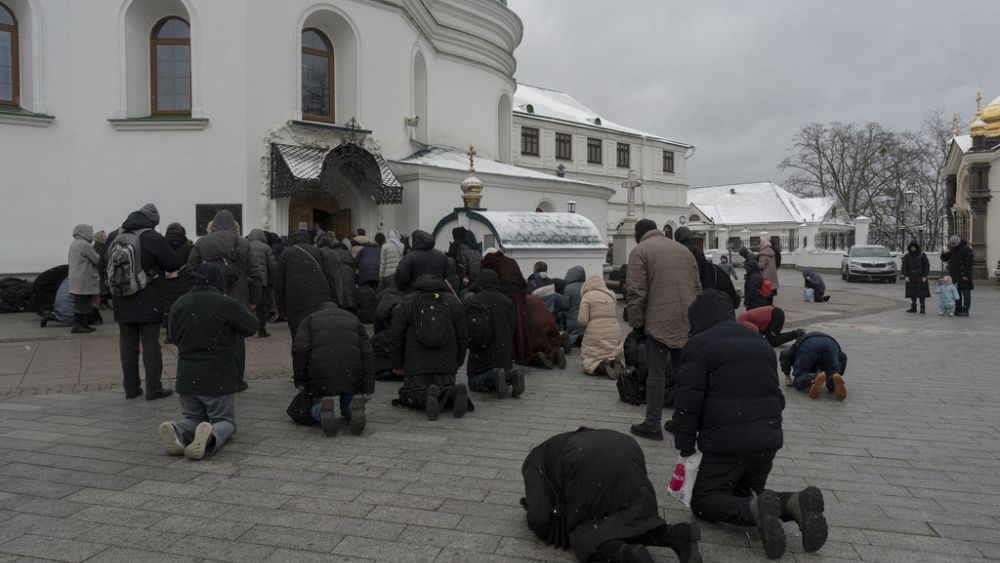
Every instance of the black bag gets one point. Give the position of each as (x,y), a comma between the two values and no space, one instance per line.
(432,320)
(15,295)
(480,324)
(631,389)
(300,409)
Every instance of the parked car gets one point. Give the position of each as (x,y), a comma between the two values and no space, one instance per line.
(868,261)
(996,272)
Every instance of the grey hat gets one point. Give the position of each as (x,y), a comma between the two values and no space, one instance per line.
(954,240)
(150,211)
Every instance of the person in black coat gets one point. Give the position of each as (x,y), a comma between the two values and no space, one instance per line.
(815,360)
(705,275)
(491,363)
(140,316)
(960,258)
(728,406)
(332,356)
(589,491)
(916,268)
(386,308)
(303,281)
(180,282)
(812,280)
(421,260)
(369,259)
(752,283)
(206,324)
(429,367)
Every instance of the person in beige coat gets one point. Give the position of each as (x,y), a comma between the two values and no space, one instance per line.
(660,284)
(768,266)
(84,277)
(602,351)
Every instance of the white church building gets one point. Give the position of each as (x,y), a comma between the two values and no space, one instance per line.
(334,114)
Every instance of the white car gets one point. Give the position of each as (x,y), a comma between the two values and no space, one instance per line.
(870,262)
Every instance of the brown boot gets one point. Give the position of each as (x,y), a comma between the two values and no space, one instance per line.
(818,384)
(839,391)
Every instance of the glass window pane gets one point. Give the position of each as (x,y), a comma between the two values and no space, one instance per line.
(6,17)
(174,29)
(315,85)
(313,40)
(173,78)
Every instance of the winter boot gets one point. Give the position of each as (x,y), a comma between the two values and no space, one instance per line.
(328,417)
(544,360)
(923,308)
(765,510)
(817,386)
(683,539)
(80,326)
(500,382)
(561,358)
(648,430)
(806,509)
(433,402)
(461,405)
(358,418)
(516,382)
(46,317)
(913,307)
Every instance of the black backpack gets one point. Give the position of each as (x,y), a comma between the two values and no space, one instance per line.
(631,389)
(480,324)
(432,320)
(300,409)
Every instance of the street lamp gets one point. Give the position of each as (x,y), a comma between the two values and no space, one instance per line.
(920,231)
(908,194)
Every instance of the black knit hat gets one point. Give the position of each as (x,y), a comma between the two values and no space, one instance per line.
(643,227)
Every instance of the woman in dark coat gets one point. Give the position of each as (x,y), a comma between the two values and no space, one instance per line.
(752,283)
(916,268)
(178,283)
(589,491)
(304,280)
(515,287)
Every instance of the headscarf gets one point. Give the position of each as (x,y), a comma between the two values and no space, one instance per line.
(394,239)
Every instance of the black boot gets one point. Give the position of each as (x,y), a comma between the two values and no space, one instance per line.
(766,512)
(46,317)
(682,538)
(923,307)
(913,307)
(806,509)
(80,326)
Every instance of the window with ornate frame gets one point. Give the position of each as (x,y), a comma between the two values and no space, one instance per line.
(170,67)
(624,155)
(10,80)
(593,150)
(529,141)
(318,96)
(564,146)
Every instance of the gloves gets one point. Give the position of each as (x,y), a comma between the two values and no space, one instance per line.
(639,332)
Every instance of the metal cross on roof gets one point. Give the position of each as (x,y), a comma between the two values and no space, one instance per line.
(472,159)
(354,131)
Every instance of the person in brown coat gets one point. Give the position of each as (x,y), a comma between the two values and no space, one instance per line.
(768,266)
(544,339)
(603,350)
(515,287)
(661,284)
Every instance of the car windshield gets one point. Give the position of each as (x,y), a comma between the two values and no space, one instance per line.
(869,252)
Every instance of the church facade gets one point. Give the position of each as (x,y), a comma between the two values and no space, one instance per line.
(972,174)
(293,114)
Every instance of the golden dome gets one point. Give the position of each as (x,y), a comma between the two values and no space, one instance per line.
(987,121)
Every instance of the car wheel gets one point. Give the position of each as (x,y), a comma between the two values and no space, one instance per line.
(895,279)
(843,275)
(850,278)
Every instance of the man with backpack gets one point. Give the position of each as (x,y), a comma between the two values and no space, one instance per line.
(136,261)
(490,319)
(427,344)
(306,278)
(244,275)
(756,288)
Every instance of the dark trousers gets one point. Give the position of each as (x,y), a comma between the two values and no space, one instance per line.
(662,361)
(815,354)
(773,333)
(722,491)
(82,304)
(413,392)
(264,310)
(964,302)
(240,348)
(129,339)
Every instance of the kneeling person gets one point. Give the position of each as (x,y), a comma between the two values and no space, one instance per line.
(728,405)
(815,361)
(588,490)
(490,319)
(332,357)
(768,322)
(427,344)
(204,323)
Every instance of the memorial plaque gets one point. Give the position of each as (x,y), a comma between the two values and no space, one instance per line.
(205,212)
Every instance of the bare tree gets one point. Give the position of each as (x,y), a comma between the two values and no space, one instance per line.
(930,146)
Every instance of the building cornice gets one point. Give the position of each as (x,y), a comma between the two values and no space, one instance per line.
(409,172)
(605,130)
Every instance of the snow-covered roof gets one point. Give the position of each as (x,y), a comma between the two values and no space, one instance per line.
(964,142)
(521,229)
(553,104)
(760,202)
(454,159)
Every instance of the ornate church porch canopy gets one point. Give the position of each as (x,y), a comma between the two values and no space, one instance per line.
(298,170)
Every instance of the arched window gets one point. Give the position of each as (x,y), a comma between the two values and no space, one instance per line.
(317,76)
(9,72)
(170,67)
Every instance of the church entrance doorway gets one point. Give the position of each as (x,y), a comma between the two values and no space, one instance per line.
(312,213)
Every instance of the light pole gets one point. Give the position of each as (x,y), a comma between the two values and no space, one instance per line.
(908,201)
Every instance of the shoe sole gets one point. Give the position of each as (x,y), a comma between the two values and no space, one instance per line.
(813,525)
(500,382)
(546,362)
(517,381)
(171,443)
(461,400)
(817,385)
(839,390)
(328,418)
(433,402)
(358,416)
(196,449)
(561,358)
(772,534)
(654,437)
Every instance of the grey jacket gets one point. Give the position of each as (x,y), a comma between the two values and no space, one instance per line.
(84,277)
(262,252)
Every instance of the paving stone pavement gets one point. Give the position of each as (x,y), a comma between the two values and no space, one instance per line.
(909,465)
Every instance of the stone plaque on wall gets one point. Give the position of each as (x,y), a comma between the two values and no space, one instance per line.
(205,212)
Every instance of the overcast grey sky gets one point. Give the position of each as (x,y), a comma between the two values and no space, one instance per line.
(738,78)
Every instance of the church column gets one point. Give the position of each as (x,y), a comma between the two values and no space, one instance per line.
(979,199)
(951,192)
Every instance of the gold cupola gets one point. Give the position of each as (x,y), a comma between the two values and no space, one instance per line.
(987,120)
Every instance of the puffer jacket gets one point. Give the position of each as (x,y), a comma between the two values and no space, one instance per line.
(84,277)
(264,255)
(180,282)
(304,280)
(332,355)
(406,350)
(599,317)
(338,253)
(423,259)
(500,352)
(751,286)
(575,277)
(369,261)
(727,399)
(156,258)
(225,243)
(662,281)
(389,257)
